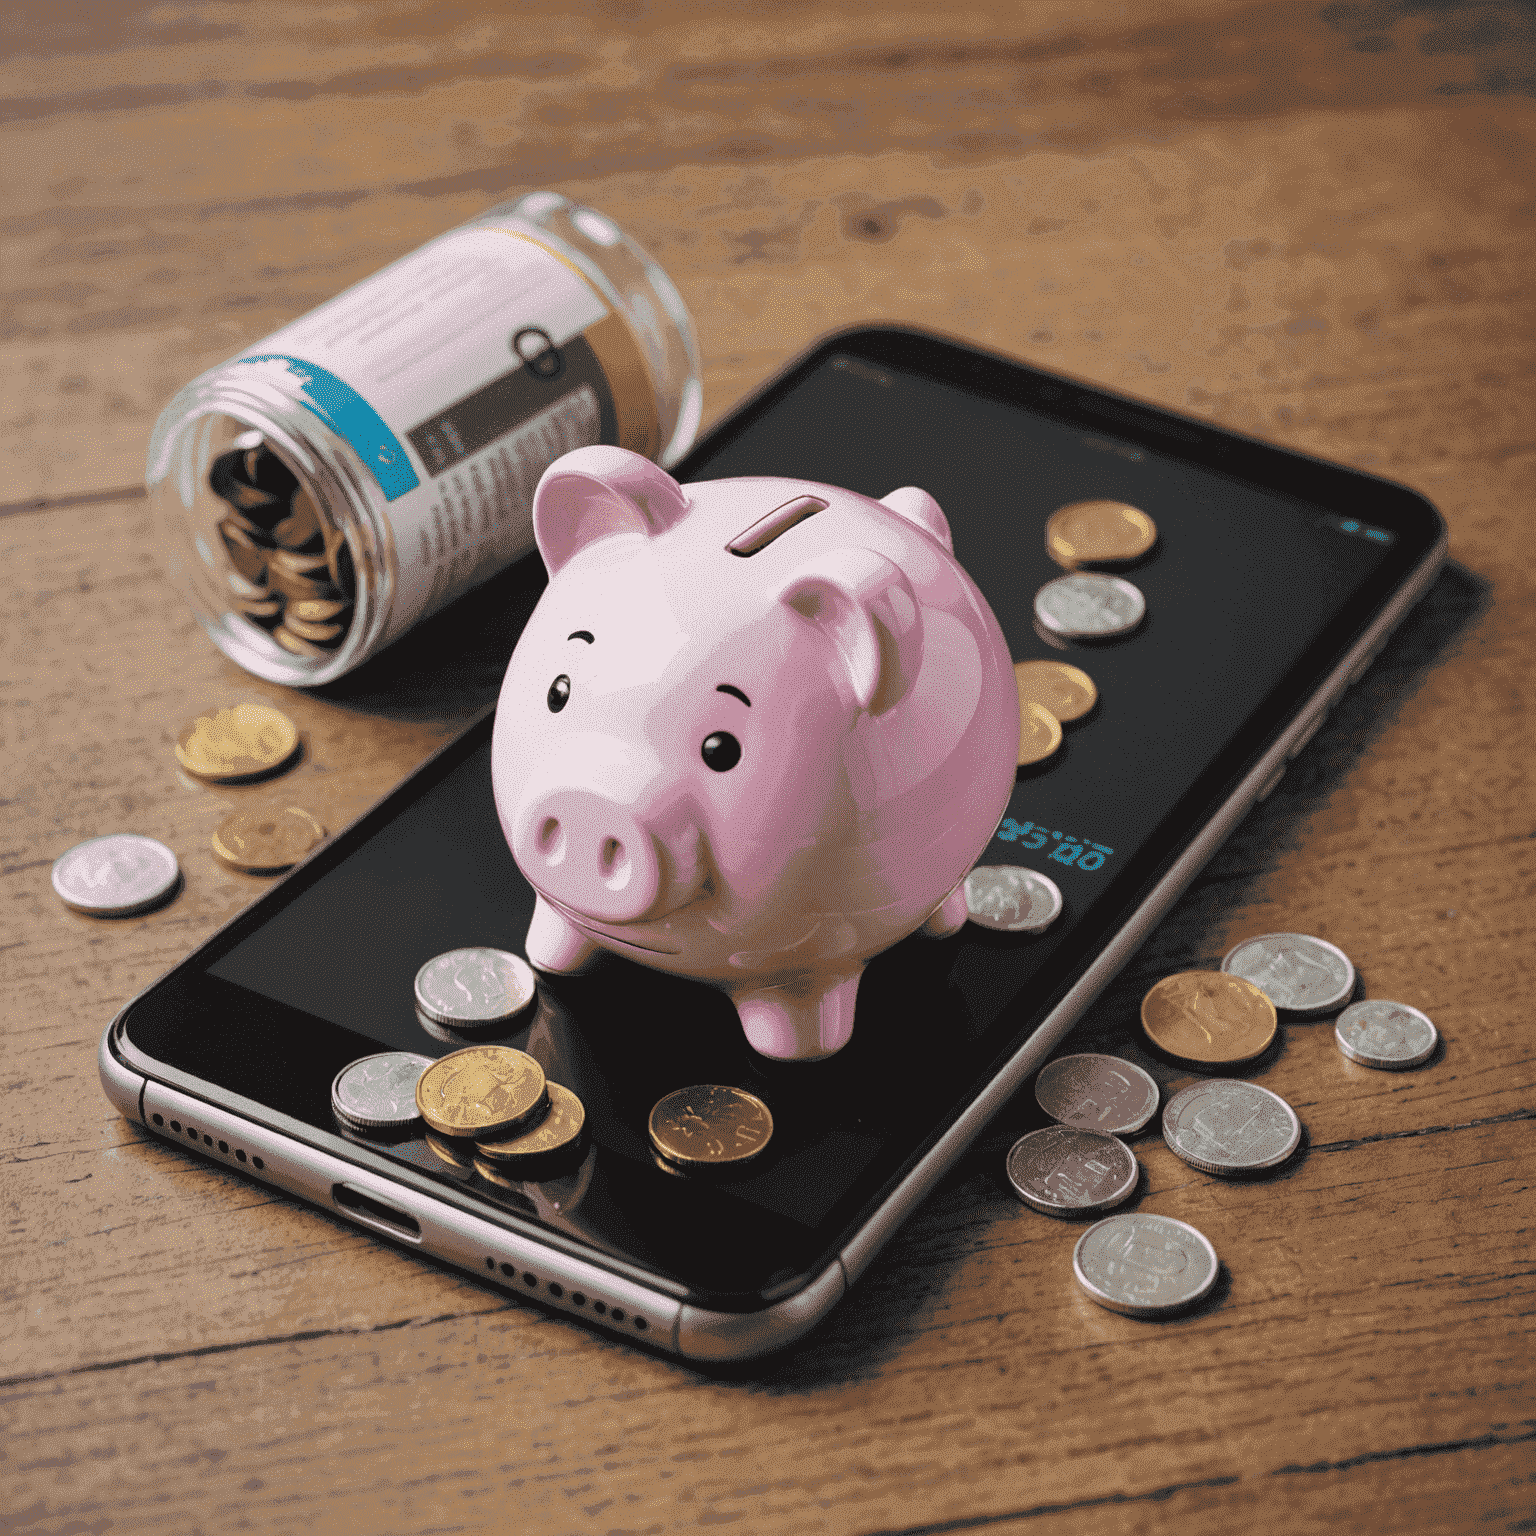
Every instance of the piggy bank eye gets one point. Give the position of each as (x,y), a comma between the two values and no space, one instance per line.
(721,751)
(559,694)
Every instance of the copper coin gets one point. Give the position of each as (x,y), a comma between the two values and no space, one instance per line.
(266,840)
(1208,1018)
(710,1125)
(1067,692)
(1089,533)
(297,645)
(1039,734)
(483,1090)
(237,743)
(561,1127)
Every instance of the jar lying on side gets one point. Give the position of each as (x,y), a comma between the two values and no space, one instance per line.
(359,469)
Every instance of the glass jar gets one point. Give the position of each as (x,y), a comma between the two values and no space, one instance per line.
(362,467)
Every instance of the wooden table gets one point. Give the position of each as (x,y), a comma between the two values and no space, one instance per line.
(1314,225)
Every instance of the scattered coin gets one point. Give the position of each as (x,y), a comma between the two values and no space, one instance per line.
(710,1126)
(1389,1036)
(116,875)
(1097,1093)
(1295,972)
(379,1092)
(1207,1018)
(244,742)
(1039,734)
(1065,1171)
(1229,1127)
(1088,606)
(1098,533)
(266,840)
(1067,692)
(482,1090)
(474,986)
(1011,899)
(559,1130)
(1144,1265)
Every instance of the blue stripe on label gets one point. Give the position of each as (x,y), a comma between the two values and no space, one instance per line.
(349,416)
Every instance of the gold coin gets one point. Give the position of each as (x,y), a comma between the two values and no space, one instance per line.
(293,562)
(1067,692)
(297,644)
(265,840)
(1039,733)
(247,556)
(483,1090)
(710,1126)
(318,633)
(560,1128)
(1088,533)
(238,743)
(318,610)
(302,525)
(1208,1018)
(300,588)
(261,607)
(457,1154)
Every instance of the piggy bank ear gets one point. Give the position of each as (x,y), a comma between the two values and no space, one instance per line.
(596,492)
(866,609)
(920,508)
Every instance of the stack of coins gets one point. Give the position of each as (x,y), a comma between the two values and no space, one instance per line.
(292,571)
(1051,694)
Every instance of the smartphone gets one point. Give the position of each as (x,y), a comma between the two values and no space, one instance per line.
(1274,581)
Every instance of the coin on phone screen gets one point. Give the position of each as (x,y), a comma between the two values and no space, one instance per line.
(1097,1093)
(710,1125)
(1207,1018)
(379,1092)
(482,1090)
(475,985)
(117,875)
(243,742)
(560,1129)
(1011,899)
(1228,1127)
(1066,691)
(1065,1171)
(1145,1265)
(1388,1036)
(1098,533)
(1295,972)
(1089,606)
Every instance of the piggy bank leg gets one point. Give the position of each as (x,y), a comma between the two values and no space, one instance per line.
(949,916)
(801,1021)
(555,945)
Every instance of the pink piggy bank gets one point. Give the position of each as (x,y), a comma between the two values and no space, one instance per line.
(755,732)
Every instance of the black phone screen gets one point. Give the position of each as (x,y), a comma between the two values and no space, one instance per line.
(1266,567)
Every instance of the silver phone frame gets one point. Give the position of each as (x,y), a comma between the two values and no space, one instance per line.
(534,1263)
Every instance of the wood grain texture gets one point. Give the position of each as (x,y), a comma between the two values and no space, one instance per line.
(1311,223)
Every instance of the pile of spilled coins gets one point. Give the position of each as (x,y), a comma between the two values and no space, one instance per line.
(292,571)
(1148,1265)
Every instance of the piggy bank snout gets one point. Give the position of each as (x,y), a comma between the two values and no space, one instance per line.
(589,853)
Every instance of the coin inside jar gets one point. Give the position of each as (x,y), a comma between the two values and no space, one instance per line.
(1098,533)
(482,1091)
(559,1131)
(1388,1036)
(475,985)
(379,1092)
(1067,692)
(1011,899)
(1089,606)
(1039,734)
(710,1126)
(1207,1018)
(1294,971)
(1145,1265)
(243,742)
(1228,1127)
(267,840)
(1065,1171)
(1098,1093)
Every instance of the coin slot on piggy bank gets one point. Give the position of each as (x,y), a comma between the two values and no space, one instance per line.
(755,732)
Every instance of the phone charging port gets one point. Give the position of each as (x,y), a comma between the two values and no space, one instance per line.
(359,1204)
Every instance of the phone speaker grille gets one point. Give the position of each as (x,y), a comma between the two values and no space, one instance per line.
(191,1132)
(555,1291)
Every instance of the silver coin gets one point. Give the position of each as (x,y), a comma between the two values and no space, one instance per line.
(1391,1036)
(378,1093)
(1011,899)
(116,875)
(1294,971)
(1064,1171)
(1228,1127)
(1097,1093)
(1145,1265)
(1089,606)
(474,986)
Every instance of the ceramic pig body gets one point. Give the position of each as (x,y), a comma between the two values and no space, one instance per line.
(755,732)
